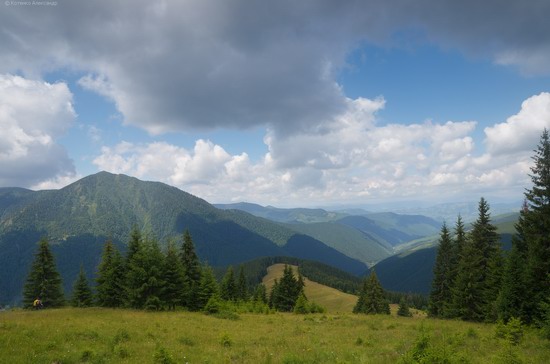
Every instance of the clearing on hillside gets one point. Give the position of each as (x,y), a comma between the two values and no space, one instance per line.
(330,298)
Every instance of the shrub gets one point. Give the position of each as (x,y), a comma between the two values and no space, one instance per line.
(226,341)
(162,356)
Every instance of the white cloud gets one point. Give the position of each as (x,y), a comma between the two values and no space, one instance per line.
(33,115)
(346,160)
(520,132)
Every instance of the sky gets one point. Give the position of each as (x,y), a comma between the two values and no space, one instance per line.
(284,103)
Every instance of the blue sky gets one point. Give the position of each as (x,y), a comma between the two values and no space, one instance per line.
(313,104)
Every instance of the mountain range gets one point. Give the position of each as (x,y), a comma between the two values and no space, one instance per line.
(80,217)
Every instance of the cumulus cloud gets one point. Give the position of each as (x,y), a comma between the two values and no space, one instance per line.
(33,115)
(520,132)
(348,159)
(171,66)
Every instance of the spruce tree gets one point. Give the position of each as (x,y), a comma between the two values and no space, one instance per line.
(173,277)
(473,295)
(134,244)
(228,287)
(192,272)
(536,229)
(43,281)
(403,309)
(441,294)
(372,297)
(287,291)
(260,293)
(513,293)
(242,286)
(144,281)
(82,294)
(111,278)
(208,287)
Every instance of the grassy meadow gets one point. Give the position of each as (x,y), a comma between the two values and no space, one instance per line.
(95,335)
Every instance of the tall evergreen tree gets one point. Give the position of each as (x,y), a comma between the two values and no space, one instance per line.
(43,281)
(82,294)
(536,230)
(260,293)
(173,277)
(144,281)
(208,287)
(111,277)
(192,272)
(473,294)
(512,298)
(286,291)
(441,294)
(242,286)
(372,297)
(134,245)
(228,287)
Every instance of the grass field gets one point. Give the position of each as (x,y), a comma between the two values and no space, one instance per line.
(96,335)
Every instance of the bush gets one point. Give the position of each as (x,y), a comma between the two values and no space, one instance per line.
(512,331)
(226,341)
(214,305)
(162,356)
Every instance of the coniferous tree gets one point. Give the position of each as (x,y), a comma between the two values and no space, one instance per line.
(173,277)
(43,281)
(111,278)
(441,294)
(287,290)
(192,272)
(274,295)
(301,306)
(403,309)
(242,286)
(512,295)
(260,294)
(228,287)
(208,287)
(472,295)
(134,245)
(82,294)
(536,230)
(144,279)
(372,297)
(459,242)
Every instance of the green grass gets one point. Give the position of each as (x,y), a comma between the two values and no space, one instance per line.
(124,336)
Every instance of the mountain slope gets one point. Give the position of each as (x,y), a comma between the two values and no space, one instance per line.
(346,239)
(78,219)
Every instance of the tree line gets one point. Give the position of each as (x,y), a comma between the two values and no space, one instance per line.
(475,280)
(148,278)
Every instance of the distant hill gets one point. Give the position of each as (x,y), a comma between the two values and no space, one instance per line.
(302,215)
(368,237)
(79,218)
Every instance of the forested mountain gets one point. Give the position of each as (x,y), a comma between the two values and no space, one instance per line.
(79,218)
